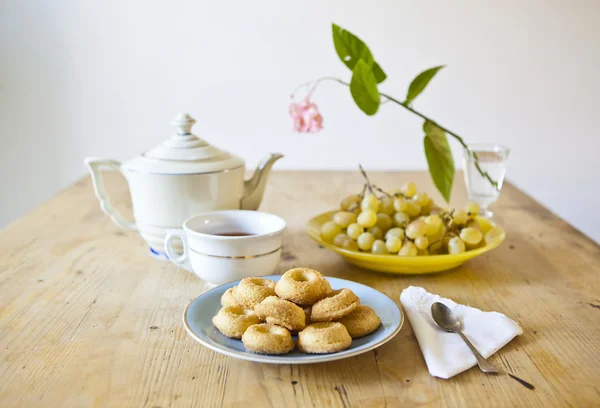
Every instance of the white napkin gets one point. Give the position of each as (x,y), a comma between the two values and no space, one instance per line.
(446,354)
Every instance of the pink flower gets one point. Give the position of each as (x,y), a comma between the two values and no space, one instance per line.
(306,116)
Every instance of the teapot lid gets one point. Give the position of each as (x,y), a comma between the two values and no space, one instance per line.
(183,153)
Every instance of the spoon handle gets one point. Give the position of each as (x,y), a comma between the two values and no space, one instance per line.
(482,362)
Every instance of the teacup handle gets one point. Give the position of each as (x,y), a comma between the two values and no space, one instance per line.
(183,260)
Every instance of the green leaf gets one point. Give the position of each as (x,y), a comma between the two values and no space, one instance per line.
(351,49)
(439,158)
(420,82)
(378,72)
(363,87)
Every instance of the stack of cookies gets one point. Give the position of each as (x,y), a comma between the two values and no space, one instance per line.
(265,314)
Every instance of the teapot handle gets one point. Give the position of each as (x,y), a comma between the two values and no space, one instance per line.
(95,167)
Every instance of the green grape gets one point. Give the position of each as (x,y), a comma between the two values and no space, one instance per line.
(395,232)
(393,243)
(471,236)
(367,218)
(354,230)
(350,245)
(422,199)
(433,224)
(421,242)
(401,219)
(456,246)
(484,225)
(376,231)
(426,209)
(413,208)
(400,204)
(365,241)
(340,239)
(384,222)
(409,189)
(387,206)
(379,247)
(460,217)
(350,201)
(436,248)
(423,252)
(408,249)
(446,240)
(416,229)
(473,209)
(438,235)
(329,230)
(394,191)
(370,202)
(344,218)
(493,235)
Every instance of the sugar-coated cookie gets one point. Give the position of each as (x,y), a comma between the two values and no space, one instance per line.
(322,338)
(233,321)
(281,312)
(268,338)
(302,286)
(334,306)
(251,291)
(361,321)
(227,299)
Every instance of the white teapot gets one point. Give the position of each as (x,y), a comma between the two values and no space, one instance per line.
(181,177)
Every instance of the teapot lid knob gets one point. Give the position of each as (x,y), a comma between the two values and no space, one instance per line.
(183,122)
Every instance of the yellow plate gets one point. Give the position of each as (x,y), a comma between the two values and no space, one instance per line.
(400,264)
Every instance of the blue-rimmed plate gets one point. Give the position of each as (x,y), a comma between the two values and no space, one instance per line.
(197,320)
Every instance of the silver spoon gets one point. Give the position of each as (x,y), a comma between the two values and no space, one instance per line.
(446,320)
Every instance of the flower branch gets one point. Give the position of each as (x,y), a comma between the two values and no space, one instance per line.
(367,74)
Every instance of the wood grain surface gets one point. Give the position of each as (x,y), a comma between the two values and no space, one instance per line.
(88,318)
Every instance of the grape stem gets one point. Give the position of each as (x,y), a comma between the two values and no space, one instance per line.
(368,184)
(372,187)
(362,195)
(460,140)
(381,191)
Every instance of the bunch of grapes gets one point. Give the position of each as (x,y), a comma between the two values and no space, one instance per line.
(404,222)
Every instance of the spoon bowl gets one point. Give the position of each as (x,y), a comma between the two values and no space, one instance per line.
(444,318)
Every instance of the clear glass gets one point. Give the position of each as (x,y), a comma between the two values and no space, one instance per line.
(492,159)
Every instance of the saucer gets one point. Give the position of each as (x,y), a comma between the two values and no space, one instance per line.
(197,320)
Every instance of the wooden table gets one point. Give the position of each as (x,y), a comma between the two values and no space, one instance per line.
(87,318)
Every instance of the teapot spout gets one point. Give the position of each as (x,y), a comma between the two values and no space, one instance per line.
(255,187)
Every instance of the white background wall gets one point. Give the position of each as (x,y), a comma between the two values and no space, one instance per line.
(104,78)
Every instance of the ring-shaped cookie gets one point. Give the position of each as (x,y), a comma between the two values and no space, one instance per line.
(302,286)
(334,306)
(361,321)
(268,338)
(322,338)
(233,321)
(251,291)
(281,312)
(227,299)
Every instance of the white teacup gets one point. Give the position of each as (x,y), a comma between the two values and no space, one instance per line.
(223,246)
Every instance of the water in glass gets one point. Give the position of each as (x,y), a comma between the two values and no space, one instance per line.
(492,159)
